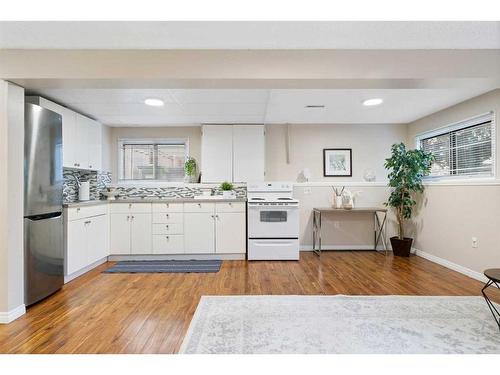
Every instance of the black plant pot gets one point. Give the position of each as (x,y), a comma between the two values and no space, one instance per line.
(401,248)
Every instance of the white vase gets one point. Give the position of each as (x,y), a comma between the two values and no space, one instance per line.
(227,193)
(338,201)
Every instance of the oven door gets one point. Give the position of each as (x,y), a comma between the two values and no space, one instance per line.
(269,221)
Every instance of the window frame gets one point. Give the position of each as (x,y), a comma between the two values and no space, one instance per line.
(457,126)
(147,141)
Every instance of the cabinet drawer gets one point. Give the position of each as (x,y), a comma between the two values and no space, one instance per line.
(75,213)
(170,244)
(168,228)
(168,207)
(230,207)
(199,207)
(168,217)
(117,208)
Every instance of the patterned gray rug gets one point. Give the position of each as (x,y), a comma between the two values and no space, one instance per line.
(166,266)
(341,324)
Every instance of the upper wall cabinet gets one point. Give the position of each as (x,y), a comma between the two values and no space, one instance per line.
(248,153)
(82,136)
(232,153)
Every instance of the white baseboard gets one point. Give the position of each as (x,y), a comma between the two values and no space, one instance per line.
(342,247)
(178,257)
(68,278)
(10,316)
(453,266)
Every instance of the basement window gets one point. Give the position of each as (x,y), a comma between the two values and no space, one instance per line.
(465,149)
(152,159)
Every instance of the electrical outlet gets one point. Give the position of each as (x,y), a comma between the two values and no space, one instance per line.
(336,224)
(307,190)
(474,243)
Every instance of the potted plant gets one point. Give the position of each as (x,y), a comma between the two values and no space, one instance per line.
(227,189)
(190,169)
(406,170)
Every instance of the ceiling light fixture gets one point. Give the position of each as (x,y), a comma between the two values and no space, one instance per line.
(372,102)
(153,102)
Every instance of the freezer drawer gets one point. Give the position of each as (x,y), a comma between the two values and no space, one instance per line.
(43,256)
(273,249)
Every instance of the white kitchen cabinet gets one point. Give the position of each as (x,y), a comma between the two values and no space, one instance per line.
(168,244)
(199,232)
(88,147)
(217,153)
(76,246)
(119,233)
(86,239)
(140,234)
(230,233)
(248,153)
(98,238)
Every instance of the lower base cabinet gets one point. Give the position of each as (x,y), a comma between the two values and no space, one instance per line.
(178,228)
(86,242)
(199,233)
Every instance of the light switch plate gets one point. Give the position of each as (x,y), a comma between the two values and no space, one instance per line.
(307,190)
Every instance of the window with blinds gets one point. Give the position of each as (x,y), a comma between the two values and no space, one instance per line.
(150,160)
(465,149)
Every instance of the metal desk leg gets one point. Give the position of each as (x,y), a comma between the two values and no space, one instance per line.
(494,311)
(317,232)
(379,231)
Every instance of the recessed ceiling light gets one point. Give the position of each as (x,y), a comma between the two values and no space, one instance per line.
(153,102)
(372,102)
(315,106)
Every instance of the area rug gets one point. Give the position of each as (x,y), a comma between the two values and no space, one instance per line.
(166,266)
(341,324)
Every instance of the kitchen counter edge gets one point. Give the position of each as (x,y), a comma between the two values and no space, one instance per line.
(146,200)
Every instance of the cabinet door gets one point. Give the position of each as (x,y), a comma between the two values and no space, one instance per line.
(230,236)
(140,234)
(70,139)
(248,153)
(95,144)
(76,246)
(81,145)
(199,233)
(217,153)
(119,232)
(168,244)
(97,231)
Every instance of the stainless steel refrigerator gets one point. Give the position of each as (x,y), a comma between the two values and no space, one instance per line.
(43,198)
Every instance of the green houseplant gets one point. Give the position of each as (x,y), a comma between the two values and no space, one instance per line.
(406,170)
(190,169)
(227,189)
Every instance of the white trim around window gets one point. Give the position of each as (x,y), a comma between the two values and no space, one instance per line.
(462,170)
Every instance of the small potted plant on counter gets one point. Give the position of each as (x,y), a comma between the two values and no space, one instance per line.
(190,170)
(227,189)
(406,170)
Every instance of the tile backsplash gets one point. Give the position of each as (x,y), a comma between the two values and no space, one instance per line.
(125,192)
(99,180)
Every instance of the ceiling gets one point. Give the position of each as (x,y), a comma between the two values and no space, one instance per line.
(250,35)
(125,107)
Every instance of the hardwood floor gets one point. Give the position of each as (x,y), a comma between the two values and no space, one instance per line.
(150,313)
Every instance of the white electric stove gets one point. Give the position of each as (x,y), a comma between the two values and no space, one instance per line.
(273,221)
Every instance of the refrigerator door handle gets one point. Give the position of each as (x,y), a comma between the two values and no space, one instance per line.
(51,216)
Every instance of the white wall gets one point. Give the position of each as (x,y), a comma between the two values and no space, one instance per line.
(11,201)
(450,215)
(370,146)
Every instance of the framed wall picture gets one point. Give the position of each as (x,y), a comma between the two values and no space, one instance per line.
(337,162)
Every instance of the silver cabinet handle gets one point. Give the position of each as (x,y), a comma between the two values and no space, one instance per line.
(128,218)
(88,222)
(166,226)
(90,166)
(78,209)
(230,204)
(168,238)
(168,205)
(130,205)
(168,216)
(199,205)
(132,217)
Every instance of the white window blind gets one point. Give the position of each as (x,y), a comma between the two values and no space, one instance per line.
(464,149)
(152,159)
